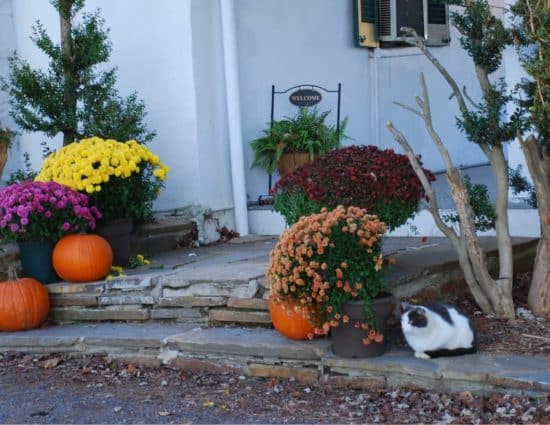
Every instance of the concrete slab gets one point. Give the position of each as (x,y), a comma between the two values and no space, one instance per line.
(247,342)
(59,338)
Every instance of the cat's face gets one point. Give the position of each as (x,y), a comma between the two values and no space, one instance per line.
(413,318)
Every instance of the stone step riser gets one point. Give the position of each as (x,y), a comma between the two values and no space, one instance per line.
(170,296)
(266,354)
(207,301)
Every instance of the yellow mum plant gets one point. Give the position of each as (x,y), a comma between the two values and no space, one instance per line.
(121,178)
(325,260)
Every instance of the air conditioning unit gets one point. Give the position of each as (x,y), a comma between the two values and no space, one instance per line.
(380,21)
(429,18)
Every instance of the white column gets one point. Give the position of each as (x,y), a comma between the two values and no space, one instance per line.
(234,114)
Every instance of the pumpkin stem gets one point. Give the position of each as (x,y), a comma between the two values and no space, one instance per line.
(12,273)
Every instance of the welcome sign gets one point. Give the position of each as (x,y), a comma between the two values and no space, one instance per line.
(305,97)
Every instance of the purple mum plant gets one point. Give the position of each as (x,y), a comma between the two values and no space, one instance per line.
(43,211)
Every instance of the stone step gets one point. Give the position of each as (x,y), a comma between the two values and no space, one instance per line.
(248,342)
(111,313)
(248,304)
(265,352)
(155,238)
(249,317)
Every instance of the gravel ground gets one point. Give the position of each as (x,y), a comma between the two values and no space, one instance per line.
(59,389)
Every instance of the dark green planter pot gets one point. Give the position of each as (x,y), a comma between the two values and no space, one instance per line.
(119,235)
(36,260)
(347,341)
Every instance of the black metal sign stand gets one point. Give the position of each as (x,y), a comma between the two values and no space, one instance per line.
(300,87)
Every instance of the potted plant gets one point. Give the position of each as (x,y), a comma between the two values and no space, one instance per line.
(5,143)
(121,178)
(294,141)
(36,215)
(327,263)
(379,180)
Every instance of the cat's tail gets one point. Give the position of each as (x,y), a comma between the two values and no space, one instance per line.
(449,353)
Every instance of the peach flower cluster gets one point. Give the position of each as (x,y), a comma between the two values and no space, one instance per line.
(325,260)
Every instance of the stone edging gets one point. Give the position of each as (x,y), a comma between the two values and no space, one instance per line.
(264,352)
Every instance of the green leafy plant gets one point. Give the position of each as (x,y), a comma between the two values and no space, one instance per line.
(307,132)
(138,261)
(484,212)
(293,205)
(381,181)
(76,94)
(519,184)
(23,174)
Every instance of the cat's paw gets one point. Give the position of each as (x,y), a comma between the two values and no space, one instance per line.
(421,355)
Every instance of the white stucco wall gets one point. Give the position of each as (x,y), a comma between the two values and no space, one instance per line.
(153,59)
(170,52)
(7,40)
(311,41)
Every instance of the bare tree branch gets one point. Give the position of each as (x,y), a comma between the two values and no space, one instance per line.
(408,108)
(415,40)
(432,204)
(476,105)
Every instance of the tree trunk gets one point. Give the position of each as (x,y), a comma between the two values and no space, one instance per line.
(539,292)
(538,162)
(69,74)
(494,296)
(504,283)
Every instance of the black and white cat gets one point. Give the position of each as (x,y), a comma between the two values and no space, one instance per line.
(437,330)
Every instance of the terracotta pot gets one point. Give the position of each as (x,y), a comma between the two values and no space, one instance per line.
(291,324)
(347,340)
(290,161)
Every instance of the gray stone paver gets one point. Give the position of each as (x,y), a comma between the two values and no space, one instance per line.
(244,346)
(246,342)
(247,261)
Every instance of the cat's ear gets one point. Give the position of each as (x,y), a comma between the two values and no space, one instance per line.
(405,307)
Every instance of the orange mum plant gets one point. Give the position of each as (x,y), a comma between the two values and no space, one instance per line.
(325,260)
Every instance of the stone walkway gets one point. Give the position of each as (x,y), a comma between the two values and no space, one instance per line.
(261,351)
(264,352)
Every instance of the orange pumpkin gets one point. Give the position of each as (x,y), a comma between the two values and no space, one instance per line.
(291,324)
(82,258)
(24,304)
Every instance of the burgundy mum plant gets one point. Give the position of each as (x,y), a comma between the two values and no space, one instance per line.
(43,211)
(380,181)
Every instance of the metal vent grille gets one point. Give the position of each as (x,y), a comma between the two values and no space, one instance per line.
(436,12)
(385,18)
